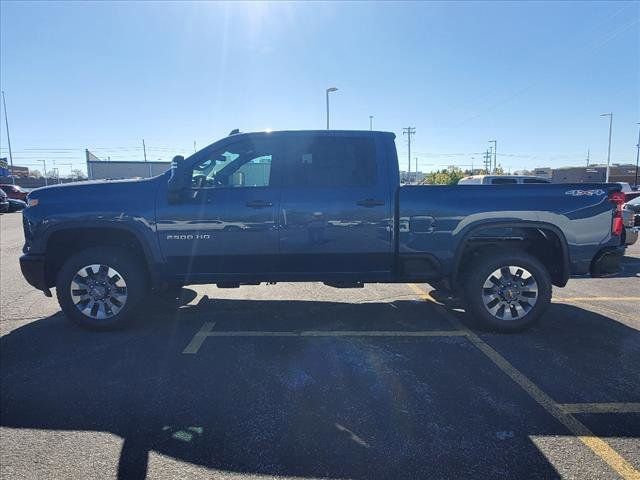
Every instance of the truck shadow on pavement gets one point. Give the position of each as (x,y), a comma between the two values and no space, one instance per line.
(336,407)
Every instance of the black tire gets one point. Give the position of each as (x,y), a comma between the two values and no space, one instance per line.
(126,265)
(480,272)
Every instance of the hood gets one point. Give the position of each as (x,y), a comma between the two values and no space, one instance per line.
(67,191)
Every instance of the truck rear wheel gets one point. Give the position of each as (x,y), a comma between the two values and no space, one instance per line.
(99,288)
(507,291)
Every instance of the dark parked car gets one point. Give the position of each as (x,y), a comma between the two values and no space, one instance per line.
(4,202)
(14,191)
(311,206)
(16,205)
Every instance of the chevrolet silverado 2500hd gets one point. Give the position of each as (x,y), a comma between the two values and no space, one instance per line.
(314,206)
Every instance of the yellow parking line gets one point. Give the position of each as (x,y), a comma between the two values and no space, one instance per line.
(598,299)
(596,444)
(610,311)
(600,407)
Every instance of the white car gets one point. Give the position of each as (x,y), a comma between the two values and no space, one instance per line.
(501,179)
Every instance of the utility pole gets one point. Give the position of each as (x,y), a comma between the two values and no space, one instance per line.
(194,146)
(610,115)
(487,161)
(637,154)
(144,149)
(495,154)
(6,122)
(588,157)
(44,167)
(370,122)
(408,131)
(416,169)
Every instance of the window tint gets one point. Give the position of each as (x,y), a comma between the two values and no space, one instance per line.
(330,162)
(243,164)
(502,181)
(534,180)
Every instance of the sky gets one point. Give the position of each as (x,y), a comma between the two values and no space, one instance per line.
(535,76)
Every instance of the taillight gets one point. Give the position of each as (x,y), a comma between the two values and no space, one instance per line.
(617,226)
(617,198)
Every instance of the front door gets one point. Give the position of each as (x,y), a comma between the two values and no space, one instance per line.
(226,222)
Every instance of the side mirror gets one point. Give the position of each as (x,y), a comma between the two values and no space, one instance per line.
(177,181)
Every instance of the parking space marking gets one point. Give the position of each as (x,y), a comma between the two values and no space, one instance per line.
(199,338)
(608,310)
(601,448)
(207,331)
(598,299)
(338,333)
(601,407)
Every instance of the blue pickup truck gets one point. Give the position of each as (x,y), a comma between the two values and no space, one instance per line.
(313,206)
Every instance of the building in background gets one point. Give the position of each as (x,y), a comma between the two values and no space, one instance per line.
(411,177)
(578,175)
(98,169)
(591,174)
(543,172)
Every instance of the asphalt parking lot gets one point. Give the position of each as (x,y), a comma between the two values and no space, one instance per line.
(305,381)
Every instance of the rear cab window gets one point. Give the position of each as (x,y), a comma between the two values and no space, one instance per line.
(328,161)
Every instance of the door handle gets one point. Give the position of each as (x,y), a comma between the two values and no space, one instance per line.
(370,202)
(259,204)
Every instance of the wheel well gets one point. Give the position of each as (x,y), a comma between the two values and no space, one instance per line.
(542,243)
(64,243)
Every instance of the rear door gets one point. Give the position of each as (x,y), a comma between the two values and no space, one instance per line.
(335,207)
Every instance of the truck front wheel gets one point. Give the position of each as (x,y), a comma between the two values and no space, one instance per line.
(507,291)
(100,287)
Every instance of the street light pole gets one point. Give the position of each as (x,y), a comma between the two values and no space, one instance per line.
(637,155)
(6,122)
(328,91)
(370,122)
(610,115)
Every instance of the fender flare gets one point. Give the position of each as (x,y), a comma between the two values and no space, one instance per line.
(151,258)
(475,228)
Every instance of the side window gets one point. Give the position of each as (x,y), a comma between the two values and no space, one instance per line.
(503,181)
(534,180)
(326,161)
(242,164)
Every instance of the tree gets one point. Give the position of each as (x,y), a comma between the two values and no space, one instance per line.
(447,176)
(35,173)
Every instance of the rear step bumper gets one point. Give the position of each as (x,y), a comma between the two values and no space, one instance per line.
(606,262)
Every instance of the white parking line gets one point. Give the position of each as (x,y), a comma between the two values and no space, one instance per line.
(198,339)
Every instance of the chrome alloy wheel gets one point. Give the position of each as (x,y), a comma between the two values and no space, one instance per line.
(510,293)
(98,291)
